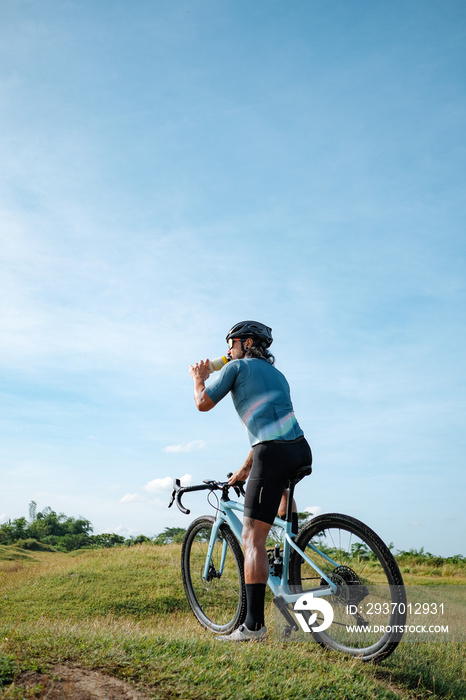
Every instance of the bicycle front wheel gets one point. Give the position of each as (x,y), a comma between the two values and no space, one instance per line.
(217,600)
(369,605)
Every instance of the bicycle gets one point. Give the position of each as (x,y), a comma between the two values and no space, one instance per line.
(351,569)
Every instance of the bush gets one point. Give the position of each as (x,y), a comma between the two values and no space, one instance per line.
(34,545)
(8,670)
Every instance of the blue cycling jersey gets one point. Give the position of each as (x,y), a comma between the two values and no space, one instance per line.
(261,396)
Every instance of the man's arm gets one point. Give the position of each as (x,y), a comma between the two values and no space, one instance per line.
(200,372)
(242,473)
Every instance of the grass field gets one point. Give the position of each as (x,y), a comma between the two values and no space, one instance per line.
(123,612)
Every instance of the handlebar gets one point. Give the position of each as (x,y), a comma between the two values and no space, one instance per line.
(209,485)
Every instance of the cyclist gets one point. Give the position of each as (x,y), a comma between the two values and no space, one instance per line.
(261,397)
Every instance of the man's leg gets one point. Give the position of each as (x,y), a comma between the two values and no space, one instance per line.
(282,508)
(256,570)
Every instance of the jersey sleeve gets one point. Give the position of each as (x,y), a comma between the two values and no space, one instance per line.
(223,381)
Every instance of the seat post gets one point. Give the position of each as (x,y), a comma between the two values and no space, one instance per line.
(289,505)
(300,474)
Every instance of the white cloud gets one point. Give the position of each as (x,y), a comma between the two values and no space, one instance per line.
(165,484)
(131,498)
(192,446)
(120,530)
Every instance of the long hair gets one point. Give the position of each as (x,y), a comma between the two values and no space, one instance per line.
(259,352)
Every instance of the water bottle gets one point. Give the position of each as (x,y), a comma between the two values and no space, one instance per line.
(215,365)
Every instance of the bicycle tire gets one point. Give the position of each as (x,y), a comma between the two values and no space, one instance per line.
(219,603)
(369,605)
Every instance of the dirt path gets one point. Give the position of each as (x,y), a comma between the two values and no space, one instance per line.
(65,682)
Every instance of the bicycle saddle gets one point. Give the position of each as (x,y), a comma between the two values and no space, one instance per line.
(300,474)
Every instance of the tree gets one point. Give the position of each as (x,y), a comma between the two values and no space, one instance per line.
(6,533)
(47,527)
(360,551)
(170,535)
(71,542)
(106,540)
(20,529)
(32,511)
(139,539)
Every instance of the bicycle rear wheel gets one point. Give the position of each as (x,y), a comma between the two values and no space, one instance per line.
(369,605)
(219,600)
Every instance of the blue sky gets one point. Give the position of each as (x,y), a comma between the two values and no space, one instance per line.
(171,168)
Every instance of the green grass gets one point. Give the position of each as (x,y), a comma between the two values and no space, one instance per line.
(123,611)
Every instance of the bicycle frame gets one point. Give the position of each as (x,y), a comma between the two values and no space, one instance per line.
(341,581)
(278,585)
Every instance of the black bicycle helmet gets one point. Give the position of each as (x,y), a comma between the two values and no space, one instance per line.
(251,329)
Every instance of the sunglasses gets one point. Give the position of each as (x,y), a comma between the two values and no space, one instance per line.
(232,341)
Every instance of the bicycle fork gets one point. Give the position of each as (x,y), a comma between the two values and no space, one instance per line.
(213,537)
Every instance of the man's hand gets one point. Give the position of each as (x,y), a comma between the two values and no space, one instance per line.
(239,475)
(242,473)
(200,370)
